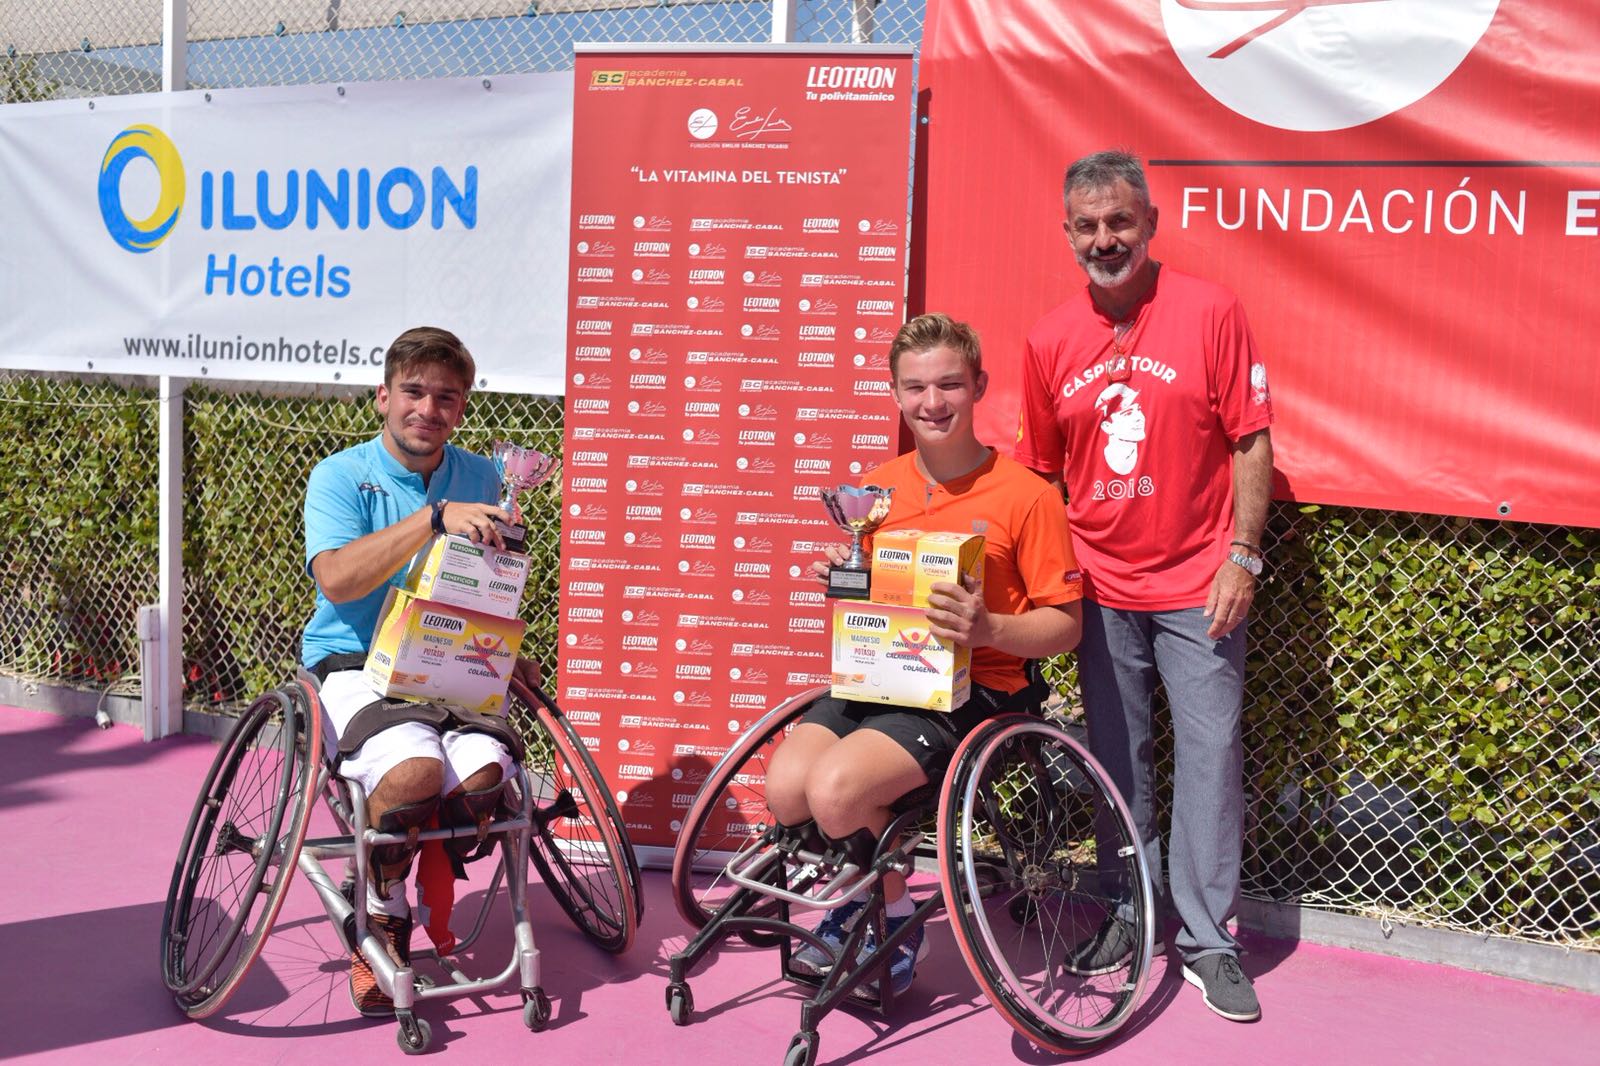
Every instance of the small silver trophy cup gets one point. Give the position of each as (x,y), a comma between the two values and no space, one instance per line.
(857,512)
(520,469)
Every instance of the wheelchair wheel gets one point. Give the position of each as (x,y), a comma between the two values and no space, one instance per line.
(579,842)
(1036,849)
(729,811)
(240,849)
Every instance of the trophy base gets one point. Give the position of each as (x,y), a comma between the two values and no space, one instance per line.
(847,584)
(515,537)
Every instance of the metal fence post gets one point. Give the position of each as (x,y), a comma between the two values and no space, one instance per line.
(785,17)
(163,714)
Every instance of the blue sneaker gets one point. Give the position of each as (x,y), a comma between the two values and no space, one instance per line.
(903,967)
(835,926)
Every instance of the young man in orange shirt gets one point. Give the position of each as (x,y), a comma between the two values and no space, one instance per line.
(846,762)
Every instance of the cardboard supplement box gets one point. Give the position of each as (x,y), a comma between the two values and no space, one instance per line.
(454,570)
(906,563)
(884,653)
(427,650)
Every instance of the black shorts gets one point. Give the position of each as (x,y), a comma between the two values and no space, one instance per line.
(930,736)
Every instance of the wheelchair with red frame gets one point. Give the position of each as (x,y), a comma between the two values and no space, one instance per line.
(246,837)
(1034,851)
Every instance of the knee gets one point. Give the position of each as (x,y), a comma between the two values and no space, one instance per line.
(834,795)
(485,777)
(410,781)
(786,792)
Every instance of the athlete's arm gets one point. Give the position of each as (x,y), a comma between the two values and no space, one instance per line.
(351,571)
(956,614)
(1233,588)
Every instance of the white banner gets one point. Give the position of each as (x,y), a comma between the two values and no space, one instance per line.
(288,234)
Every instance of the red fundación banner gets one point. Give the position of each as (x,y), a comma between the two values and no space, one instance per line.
(1404,193)
(737,272)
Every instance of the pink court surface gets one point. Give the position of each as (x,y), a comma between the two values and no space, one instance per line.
(92,822)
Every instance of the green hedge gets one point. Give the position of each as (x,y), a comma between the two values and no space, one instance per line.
(1452,664)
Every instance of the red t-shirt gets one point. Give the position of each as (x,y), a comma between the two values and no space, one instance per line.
(1146,436)
(1027,554)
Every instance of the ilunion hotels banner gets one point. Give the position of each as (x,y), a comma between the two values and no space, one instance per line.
(288,234)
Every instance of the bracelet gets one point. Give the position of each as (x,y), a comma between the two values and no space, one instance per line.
(1246,544)
(438,516)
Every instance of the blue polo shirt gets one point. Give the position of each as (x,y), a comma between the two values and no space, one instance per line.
(359,491)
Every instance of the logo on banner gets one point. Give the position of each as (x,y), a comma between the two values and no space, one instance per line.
(132,144)
(702,123)
(1318,65)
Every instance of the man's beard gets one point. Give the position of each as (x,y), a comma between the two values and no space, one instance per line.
(1108,278)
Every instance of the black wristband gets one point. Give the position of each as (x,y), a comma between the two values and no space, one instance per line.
(1246,544)
(438,516)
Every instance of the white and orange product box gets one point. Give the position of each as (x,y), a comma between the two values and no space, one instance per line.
(427,650)
(906,563)
(885,653)
(454,570)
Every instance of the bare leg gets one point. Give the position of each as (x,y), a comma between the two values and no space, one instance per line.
(484,777)
(412,781)
(791,765)
(852,785)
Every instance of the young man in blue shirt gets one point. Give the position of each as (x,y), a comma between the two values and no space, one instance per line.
(369,509)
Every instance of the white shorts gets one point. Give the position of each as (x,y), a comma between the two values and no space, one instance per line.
(345,692)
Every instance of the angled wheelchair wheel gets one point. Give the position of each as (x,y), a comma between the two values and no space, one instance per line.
(728,813)
(240,849)
(579,842)
(1036,849)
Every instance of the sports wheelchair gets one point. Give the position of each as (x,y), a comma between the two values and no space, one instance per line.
(247,836)
(1034,849)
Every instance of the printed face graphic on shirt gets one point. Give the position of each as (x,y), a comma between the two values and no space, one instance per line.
(1122,421)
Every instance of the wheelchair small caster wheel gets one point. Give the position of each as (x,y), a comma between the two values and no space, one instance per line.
(680,1003)
(1023,909)
(535,1010)
(802,1050)
(413,1034)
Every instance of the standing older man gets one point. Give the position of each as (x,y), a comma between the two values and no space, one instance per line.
(1146,392)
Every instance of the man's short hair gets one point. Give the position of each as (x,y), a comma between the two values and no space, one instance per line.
(1103,170)
(429,345)
(936,330)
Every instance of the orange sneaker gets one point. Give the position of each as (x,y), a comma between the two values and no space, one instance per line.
(368,998)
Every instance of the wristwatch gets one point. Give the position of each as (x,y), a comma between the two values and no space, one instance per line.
(1252,564)
(438,516)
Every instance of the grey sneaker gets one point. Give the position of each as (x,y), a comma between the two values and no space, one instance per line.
(835,926)
(1228,991)
(1109,949)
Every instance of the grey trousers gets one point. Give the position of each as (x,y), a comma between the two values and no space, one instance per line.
(1119,658)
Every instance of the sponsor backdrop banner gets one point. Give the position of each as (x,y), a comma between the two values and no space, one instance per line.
(1405,194)
(288,234)
(738,267)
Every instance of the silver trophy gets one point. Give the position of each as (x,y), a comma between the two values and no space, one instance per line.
(520,469)
(857,511)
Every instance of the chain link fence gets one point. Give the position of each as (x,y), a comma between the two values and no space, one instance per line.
(1423,713)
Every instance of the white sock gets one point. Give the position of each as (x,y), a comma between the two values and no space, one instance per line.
(395,906)
(901,907)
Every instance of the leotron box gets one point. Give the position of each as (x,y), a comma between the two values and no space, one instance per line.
(885,653)
(947,557)
(894,566)
(907,562)
(427,650)
(454,570)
